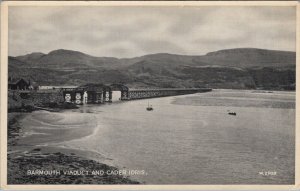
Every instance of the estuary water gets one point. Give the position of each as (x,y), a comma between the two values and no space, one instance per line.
(187,139)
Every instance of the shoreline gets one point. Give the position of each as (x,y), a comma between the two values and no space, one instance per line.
(23,160)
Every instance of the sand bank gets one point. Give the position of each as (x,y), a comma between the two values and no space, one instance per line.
(29,162)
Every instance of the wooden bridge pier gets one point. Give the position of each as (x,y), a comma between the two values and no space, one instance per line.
(124,95)
(107,96)
(73,95)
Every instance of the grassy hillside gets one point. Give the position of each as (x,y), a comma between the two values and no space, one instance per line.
(234,68)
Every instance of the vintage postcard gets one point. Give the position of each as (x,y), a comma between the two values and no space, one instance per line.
(149,95)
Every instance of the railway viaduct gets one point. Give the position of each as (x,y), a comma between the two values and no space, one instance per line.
(100,93)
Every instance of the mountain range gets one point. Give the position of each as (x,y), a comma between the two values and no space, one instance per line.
(240,68)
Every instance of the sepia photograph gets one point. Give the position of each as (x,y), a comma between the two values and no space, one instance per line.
(148,94)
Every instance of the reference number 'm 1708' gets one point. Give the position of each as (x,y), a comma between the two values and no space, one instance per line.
(268,173)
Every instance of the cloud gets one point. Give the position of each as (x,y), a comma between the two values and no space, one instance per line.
(135,31)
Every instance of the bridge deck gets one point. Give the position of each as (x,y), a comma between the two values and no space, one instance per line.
(151,93)
(82,95)
(171,89)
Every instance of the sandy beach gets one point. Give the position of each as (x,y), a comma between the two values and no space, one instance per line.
(43,164)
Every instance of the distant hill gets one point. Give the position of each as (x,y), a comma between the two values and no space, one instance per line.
(31,58)
(231,68)
(67,59)
(240,57)
(250,57)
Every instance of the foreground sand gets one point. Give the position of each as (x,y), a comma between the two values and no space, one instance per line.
(26,163)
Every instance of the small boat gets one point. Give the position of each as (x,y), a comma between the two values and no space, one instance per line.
(231,113)
(149,108)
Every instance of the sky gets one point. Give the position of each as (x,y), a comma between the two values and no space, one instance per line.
(125,32)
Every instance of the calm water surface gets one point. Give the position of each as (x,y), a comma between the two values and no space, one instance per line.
(191,139)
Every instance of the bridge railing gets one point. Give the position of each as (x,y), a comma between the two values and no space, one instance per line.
(151,93)
(171,89)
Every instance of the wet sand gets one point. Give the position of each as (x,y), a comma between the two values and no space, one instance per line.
(30,162)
